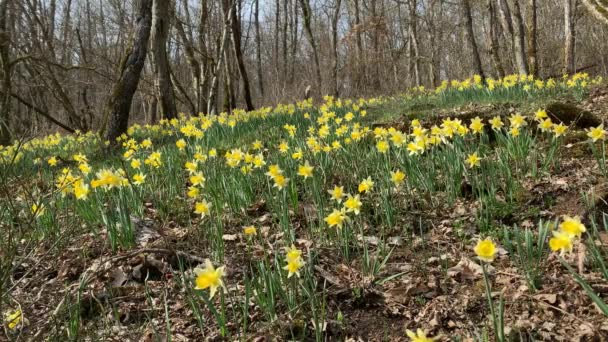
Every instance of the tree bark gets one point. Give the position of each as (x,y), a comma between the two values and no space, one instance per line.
(414,50)
(493,40)
(532,38)
(238,52)
(468,21)
(334,36)
(306,13)
(569,39)
(119,104)
(519,39)
(162,71)
(5,70)
(213,89)
(258,48)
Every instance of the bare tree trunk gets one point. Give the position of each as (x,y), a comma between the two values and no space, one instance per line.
(361,66)
(311,40)
(569,43)
(162,72)
(66,32)
(5,82)
(532,38)
(493,40)
(238,52)
(599,8)
(213,89)
(195,66)
(334,36)
(468,18)
(414,51)
(258,48)
(119,104)
(519,39)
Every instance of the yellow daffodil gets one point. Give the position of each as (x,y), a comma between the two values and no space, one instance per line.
(561,242)
(305,170)
(418,336)
(292,253)
(597,133)
(517,120)
(280,181)
(397,177)
(366,185)
(293,267)
(485,250)
(572,226)
(540,115)
(193,192)
(336,218)
(382,146)
(202,208)
(337,193)
(250,230)
(560,129)
(139,179)
(81,190)
(37,210)
(135,163)
(197,179)
(52,161)
(209,278)
(13,319)
(353,204)
(546,125)
(477,125)
(473,160)
(496,123)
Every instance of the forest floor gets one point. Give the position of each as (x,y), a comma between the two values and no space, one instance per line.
(78,287)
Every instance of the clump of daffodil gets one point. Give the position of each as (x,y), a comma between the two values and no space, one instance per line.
(293,257)
(209,278)
(418,336)
(570,229)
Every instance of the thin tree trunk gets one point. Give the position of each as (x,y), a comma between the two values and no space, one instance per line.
(493,40)
(119,104)
(569,65)
(414,50)
(334,35)
(162,72)
(468,18)
(532,38)
(5,70)
(195,66)
(519,39)
(258,48)
(306,12)
(238,52)
(213,89)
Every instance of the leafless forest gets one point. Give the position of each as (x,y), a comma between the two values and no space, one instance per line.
(88,64)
